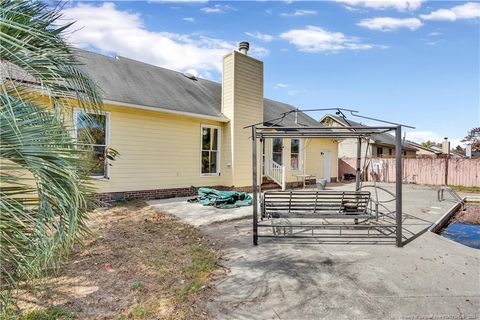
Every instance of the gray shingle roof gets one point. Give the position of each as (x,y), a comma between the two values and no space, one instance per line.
(273,109)
(134,82)
(382,138)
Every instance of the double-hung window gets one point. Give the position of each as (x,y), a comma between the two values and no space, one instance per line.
(295,154)
(210,150)
(91,133)
(379,151)
(277,150)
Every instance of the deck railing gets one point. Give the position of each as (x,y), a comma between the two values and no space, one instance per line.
(276,172)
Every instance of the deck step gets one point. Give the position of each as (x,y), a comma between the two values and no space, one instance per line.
(270,186)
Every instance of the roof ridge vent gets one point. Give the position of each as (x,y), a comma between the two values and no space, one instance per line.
(190,76)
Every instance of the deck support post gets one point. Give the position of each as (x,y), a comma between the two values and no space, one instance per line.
(359,163)
(398,184)
(254,186)
(358,172)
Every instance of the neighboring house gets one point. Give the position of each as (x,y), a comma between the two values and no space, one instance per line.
(423,151)
(435,151)
(379,145)
(174,130)
(452,154)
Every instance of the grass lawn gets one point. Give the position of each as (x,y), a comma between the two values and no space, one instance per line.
(466,189)
(140,263)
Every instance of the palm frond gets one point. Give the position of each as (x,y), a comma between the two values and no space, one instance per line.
(44,195)
(33,51)
(44,191)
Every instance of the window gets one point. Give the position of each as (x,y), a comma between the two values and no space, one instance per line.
(390,151)
(91,132)
(210,150)
(379,151)
(277,149)
(295,154)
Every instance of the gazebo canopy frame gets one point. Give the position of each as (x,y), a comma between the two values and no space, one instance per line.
(261,132)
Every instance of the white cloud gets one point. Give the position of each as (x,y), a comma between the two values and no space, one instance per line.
(259,51)
(218,8)
(260,36)
(281,85)
(441,14)
(108,30)
(189,19)
(351,9)
(434,34)
(390,24)
(299,13)
(400,5)
(469,10)
(315,39)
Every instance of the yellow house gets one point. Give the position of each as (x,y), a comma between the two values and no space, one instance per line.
(175,131)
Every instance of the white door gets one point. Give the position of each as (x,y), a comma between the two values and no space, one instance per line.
(327,162)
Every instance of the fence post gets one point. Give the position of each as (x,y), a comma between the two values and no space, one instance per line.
(446,170)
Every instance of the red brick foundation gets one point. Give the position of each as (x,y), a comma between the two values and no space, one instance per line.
(111,197)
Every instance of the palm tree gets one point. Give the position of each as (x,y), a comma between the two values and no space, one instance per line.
(45,193)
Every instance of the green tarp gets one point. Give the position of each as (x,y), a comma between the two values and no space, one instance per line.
(222,199)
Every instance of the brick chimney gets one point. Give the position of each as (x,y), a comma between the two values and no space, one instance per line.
(446,146)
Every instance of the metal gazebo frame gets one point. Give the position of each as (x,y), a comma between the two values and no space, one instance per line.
(260,131)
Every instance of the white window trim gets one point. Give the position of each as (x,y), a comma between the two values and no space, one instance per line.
(300,154)
(219,145)
(76,111)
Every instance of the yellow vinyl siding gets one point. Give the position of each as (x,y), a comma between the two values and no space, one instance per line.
(347,148)
(157,151)
(311,157)
(314,161)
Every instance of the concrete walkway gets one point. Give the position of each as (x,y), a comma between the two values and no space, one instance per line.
(431,277)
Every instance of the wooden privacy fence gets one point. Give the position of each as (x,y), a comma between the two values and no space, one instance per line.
(431,171)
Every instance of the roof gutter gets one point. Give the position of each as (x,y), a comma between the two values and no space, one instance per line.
(163,110)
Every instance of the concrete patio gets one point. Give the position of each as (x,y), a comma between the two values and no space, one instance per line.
(431,277)
(197,214)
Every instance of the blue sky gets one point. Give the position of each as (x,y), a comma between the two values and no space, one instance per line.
(408,61)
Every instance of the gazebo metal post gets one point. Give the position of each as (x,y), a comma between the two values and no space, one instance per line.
(398,184)
(359,161)
(254,185)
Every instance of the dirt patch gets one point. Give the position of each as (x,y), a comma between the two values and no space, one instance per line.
(140,263)
(470,215)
